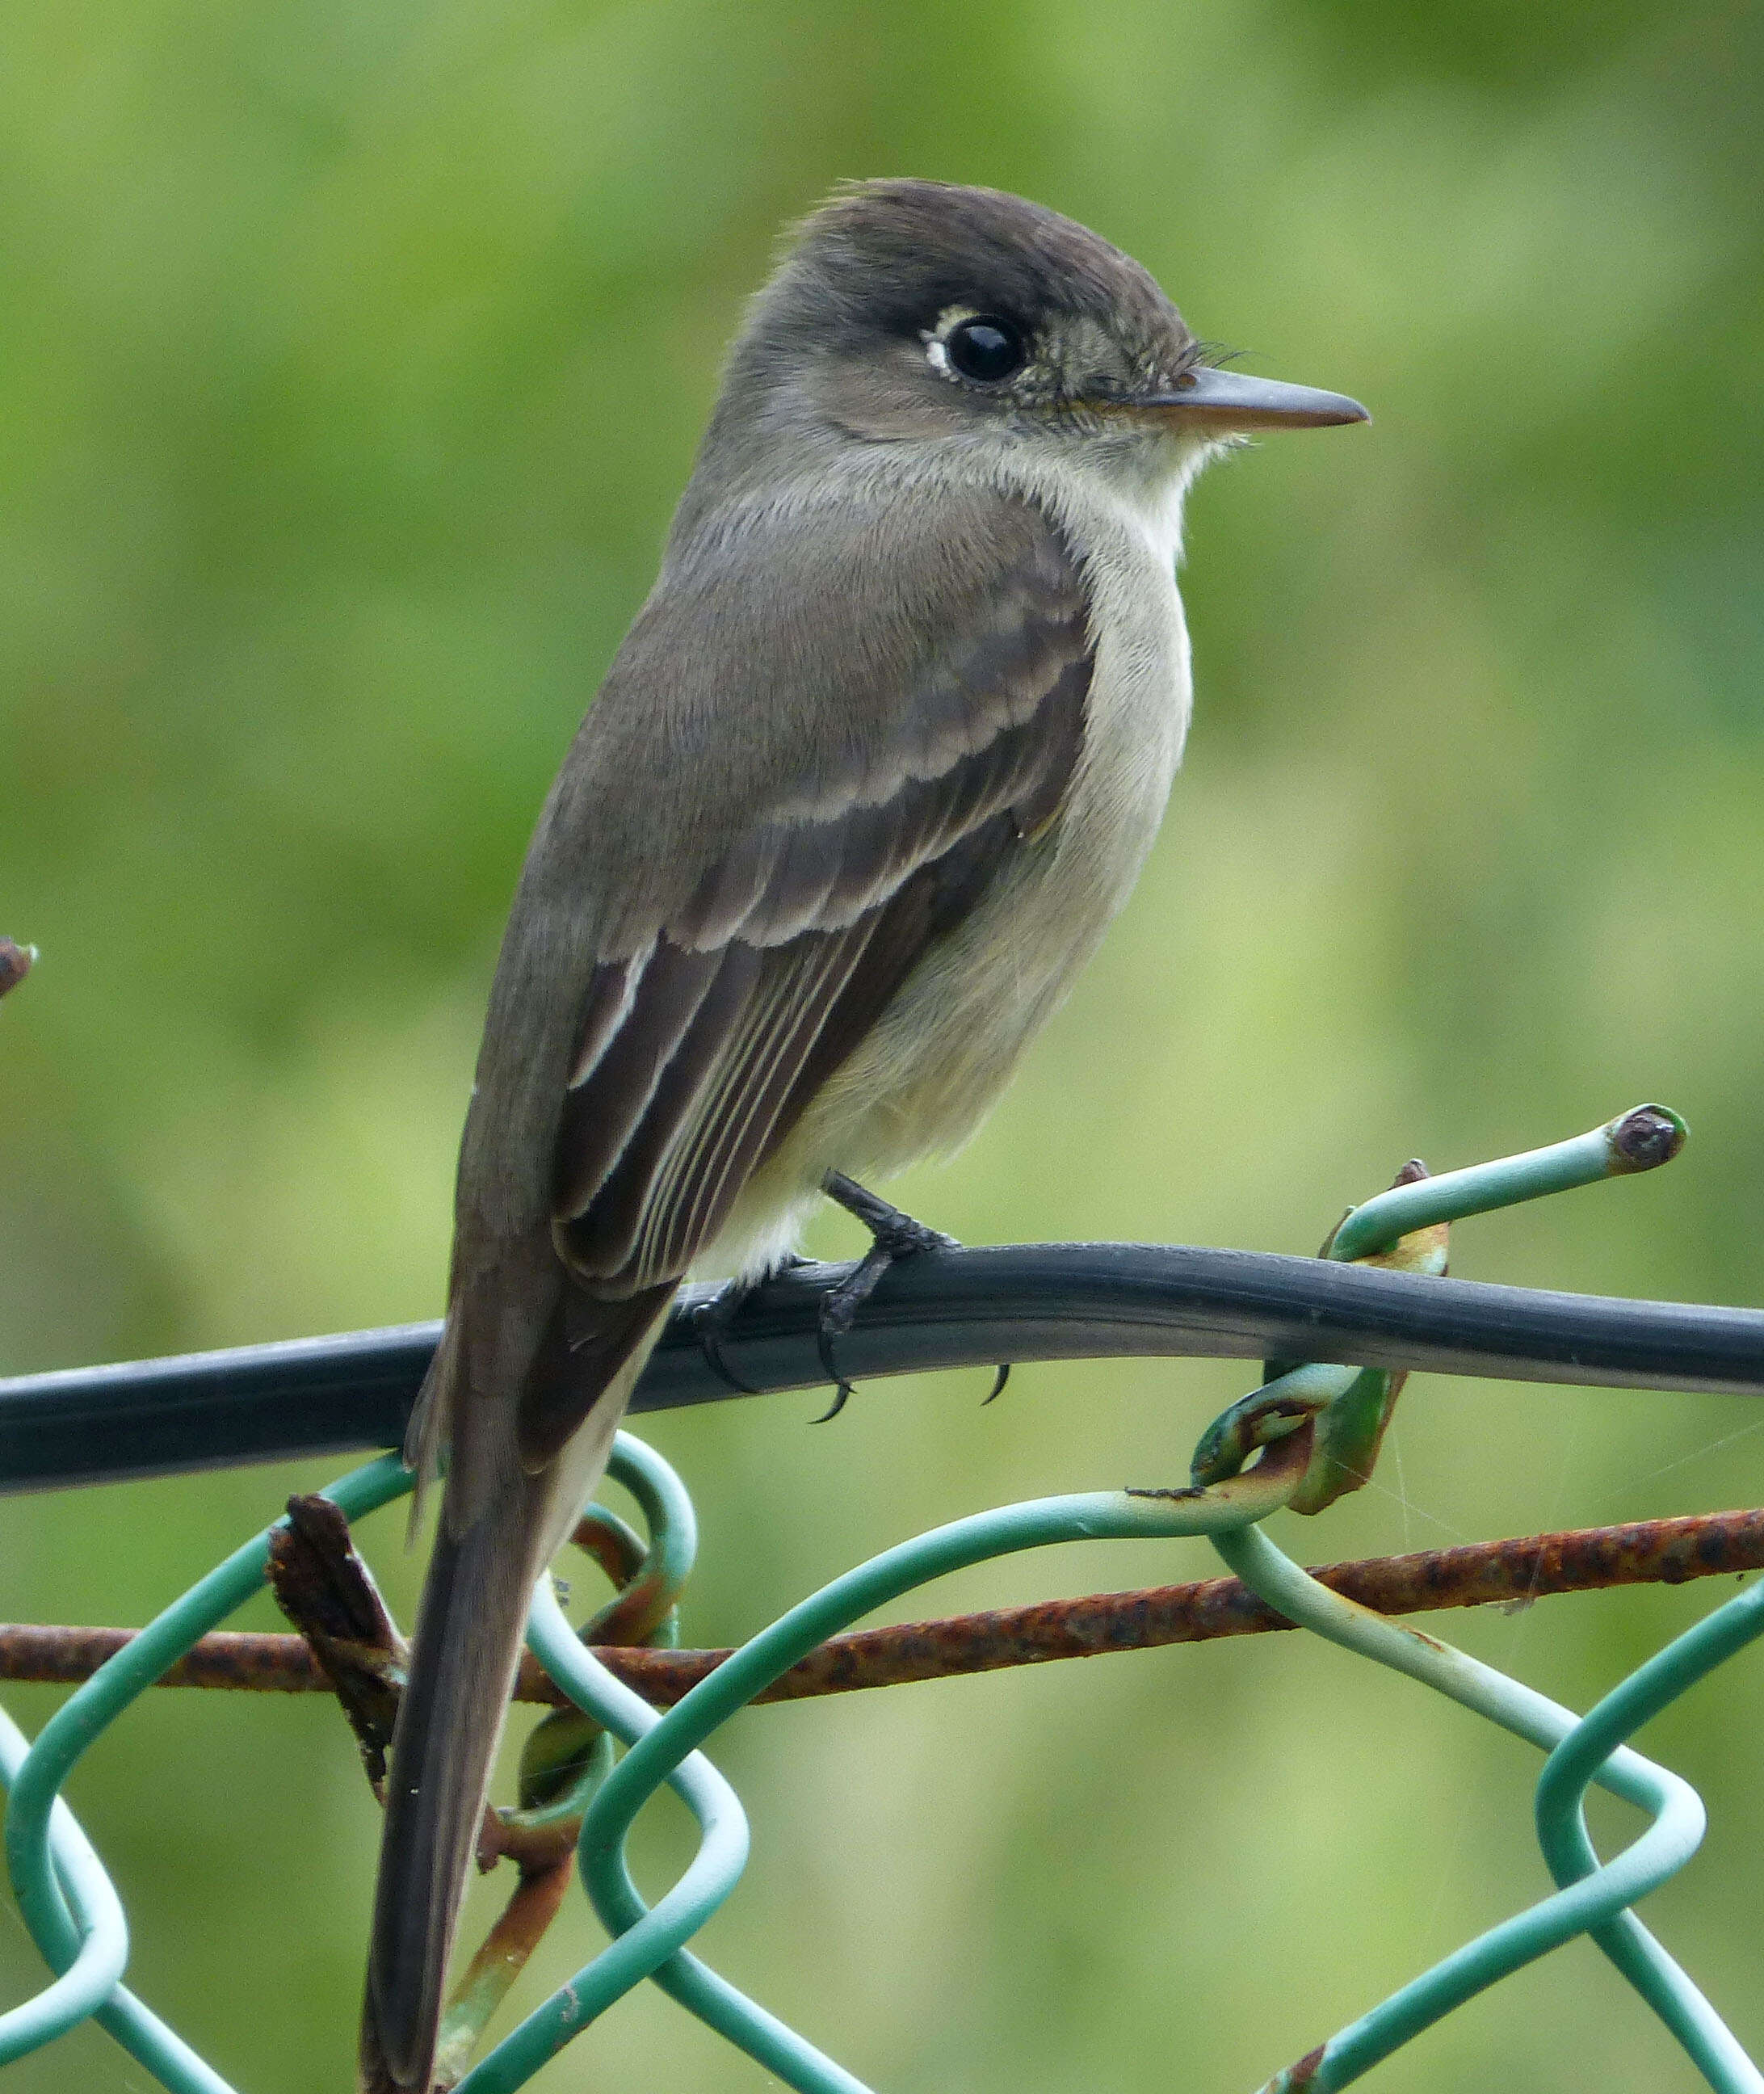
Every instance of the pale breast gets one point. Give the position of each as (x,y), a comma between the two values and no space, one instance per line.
(936,1061)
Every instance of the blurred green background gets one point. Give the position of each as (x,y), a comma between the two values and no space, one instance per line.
(351,360)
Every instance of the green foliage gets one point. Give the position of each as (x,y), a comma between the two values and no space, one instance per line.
(350,361)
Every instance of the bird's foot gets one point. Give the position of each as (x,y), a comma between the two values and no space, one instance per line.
(894,1236)
(713,1318)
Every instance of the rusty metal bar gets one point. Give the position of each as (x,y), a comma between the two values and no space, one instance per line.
(1480,1574)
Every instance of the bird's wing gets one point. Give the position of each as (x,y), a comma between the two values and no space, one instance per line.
(820,861)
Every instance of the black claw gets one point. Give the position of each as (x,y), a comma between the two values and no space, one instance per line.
(841,1391)
(833,1325)
(711,1321)
(998,1386)
(894,1236)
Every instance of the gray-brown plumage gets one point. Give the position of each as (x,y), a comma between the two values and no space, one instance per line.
(877,762)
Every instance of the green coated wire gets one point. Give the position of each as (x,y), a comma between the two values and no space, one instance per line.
(723,1848)
(1272,1412)
(708,1879)
(567,1746)
(670,1517)
(1610,1151)
(649,1941)
(60,1929)
(89,1980)
(1568,1850)
(1586,1904)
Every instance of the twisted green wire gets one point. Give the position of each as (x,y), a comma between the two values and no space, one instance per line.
(89,1978)
(80,1938)
(1595,1897)
(649,1942)
(711,1876)
(1561,1830)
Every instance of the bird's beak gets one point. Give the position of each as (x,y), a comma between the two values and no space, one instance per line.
(1226,401)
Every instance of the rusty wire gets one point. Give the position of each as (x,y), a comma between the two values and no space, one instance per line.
(1506,1572)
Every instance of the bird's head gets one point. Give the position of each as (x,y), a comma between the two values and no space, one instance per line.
(911,309)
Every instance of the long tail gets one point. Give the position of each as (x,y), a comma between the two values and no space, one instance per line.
(467,1646)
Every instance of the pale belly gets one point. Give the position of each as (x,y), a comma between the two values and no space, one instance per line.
(940,1054)
(936,1061)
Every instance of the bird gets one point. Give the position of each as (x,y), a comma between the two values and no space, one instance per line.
(879,759)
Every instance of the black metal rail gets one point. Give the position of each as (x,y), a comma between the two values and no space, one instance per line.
(959,1308)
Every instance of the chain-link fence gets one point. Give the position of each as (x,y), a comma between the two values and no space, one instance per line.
(1339,1333)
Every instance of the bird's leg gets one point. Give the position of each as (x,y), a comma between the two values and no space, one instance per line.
(894,1236)
(713,1318)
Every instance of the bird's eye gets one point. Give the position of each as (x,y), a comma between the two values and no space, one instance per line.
(985,350)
